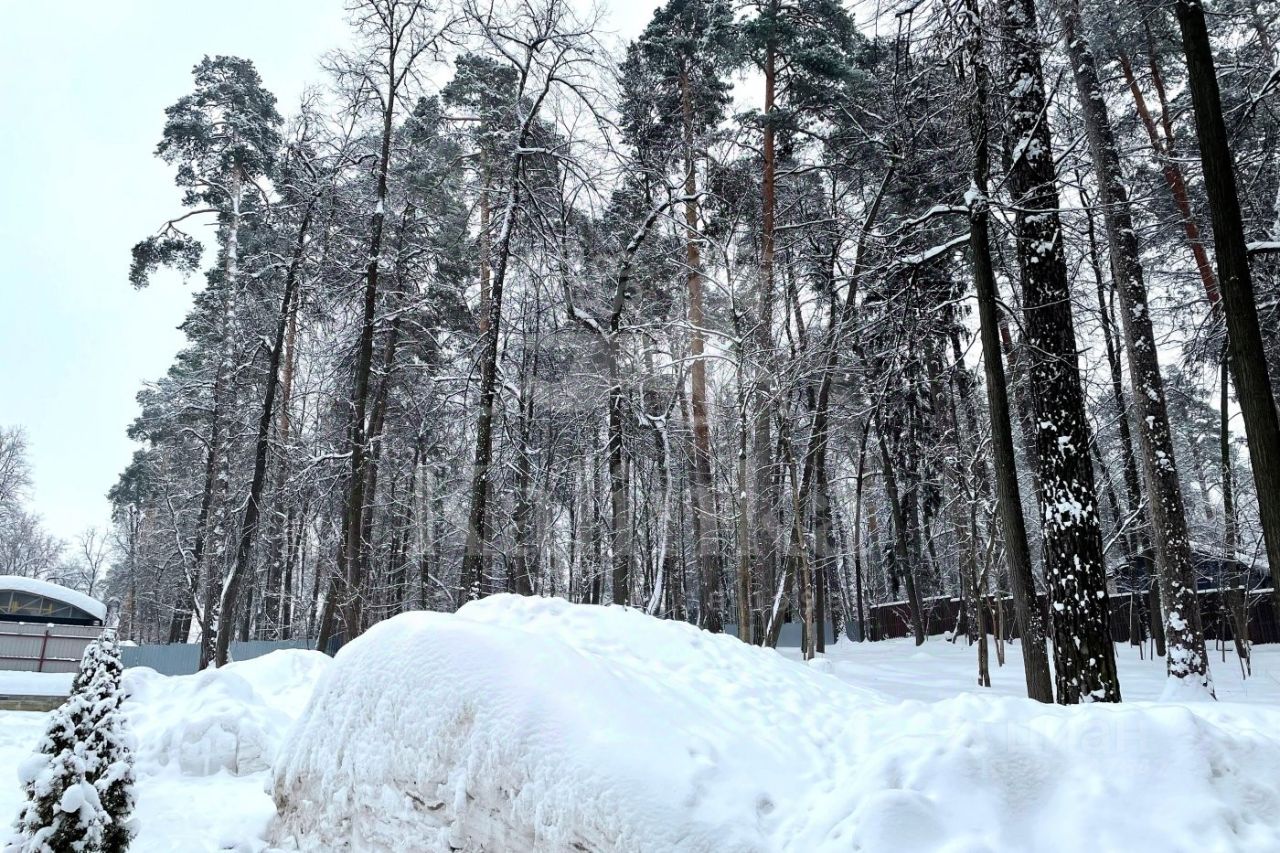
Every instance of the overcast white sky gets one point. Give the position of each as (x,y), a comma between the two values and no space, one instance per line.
(83,87)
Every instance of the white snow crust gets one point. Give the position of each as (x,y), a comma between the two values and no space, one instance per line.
(533,724)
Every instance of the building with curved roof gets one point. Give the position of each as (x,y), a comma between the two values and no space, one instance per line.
(31,600)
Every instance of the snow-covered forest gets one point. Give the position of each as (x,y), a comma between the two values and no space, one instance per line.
(778,314)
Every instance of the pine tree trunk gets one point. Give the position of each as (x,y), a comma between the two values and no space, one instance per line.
(1008,493)
(704,521)
(765,508)
(201,570)
(1173,178)
(1247,355)
(474,560)
(261,451)
(216,623)
(1184,637)
(1074,565)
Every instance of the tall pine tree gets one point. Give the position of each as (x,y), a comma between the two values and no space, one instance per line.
(1075,570)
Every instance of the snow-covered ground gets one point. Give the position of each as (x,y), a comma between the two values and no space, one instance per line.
(940,669)
(529,724)
(16,683)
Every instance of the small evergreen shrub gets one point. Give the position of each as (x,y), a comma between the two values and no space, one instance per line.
(79,782)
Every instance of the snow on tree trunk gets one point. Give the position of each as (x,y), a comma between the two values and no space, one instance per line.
(1184,637)
(1008,493)
(1074,567)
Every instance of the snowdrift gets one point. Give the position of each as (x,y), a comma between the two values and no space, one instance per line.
(532,724)
(232,719)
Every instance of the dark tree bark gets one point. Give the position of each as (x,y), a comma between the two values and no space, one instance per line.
(902,508)
(525,551)
(841,315)
(1172,173)
(288,530)
(620,539)
(1035,659)
(1184,637)
(474,559)
(830,607)
(1134,516)
(202,570)
(1084,656)
(704,521)
(765,470)
(863,631)
(616,404)
(343,590)
(262,448)
(1235,586)
(1247,355)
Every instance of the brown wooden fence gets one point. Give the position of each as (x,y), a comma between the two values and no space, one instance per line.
(943,614)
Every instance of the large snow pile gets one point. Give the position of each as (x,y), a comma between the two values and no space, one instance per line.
(533,724)
(232,719)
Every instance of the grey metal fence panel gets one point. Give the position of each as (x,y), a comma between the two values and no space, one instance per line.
(790,633)
(37,647)
(258,648)
(173,659)
(184,658)
(20,652)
